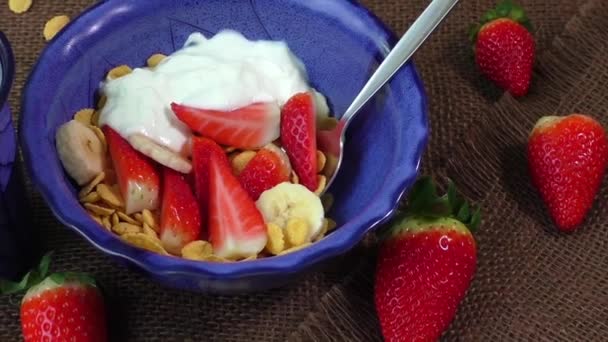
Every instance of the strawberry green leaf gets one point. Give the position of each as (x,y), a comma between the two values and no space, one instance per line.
(43,267)
(475,221)
(9,287)
(58,278)
(489,16)
(463,213)
(424,201)
(473,30)
(505,9)
(32,278)
(455,200)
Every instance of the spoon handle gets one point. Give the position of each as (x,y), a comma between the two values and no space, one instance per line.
(401,53)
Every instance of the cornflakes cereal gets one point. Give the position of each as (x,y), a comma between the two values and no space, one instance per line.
(95,118)
(197,250)
(102,101)
(100,135)
(54,25)
(106,223)
(139,217)
(96,218)
(276,241)
(240,161)
(330,165)
(327,124)
(296,248)
(215,258)
(19,6)
(144,241)
(91,197)
(89,187)
(322,181)
(110,195)
(331,224)
(126,218)
(328,201)
(322,232)
(321,160)
(118,72)
(155,60)
(296,231)
(115,219)
(149,219)
(99,210)
(84,115)
(250,258)
(149,231)
(125,228)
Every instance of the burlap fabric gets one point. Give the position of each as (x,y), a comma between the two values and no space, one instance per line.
(532,283)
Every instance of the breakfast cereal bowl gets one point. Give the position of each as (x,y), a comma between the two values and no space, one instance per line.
(339,42)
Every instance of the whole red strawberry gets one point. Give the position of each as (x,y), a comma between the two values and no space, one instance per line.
(504,48)
(425,265)
(59,307)
(567,158)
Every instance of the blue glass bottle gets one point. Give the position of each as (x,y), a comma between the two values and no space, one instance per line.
(16,244)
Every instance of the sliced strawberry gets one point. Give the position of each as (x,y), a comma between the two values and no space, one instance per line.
(138,176)
(298,136)
(180,217)
(236,227)
(263,172)
(202,150)
(285,164)
(249,127)
(328,141)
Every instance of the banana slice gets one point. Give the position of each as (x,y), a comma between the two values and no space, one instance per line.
(81,152)
(160,154)
(287,201)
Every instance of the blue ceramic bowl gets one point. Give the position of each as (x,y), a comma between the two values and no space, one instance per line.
(339,41)
(15,241)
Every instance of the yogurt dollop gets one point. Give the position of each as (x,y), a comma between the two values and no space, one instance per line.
(224,72)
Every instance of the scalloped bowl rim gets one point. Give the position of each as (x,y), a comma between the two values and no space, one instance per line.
(286,264)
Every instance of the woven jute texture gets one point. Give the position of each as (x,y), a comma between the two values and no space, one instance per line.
(532,284)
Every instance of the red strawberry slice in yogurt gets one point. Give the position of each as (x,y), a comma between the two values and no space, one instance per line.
(248,127)
(180,217)
(263,172)
(202,150)
(138,176)
(298,136)
(236,227)
(328,141)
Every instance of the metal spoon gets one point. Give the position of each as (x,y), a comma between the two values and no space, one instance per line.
(333,144)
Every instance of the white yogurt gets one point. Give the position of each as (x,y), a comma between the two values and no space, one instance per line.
(224,72)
